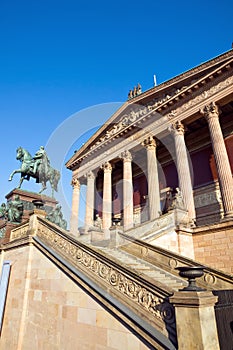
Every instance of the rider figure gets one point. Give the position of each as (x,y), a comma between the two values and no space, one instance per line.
(40,156)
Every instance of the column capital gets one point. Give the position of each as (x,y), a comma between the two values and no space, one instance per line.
(126,156)
(75,183)
(90,175)
(177,128)
(150,143)
(210,111)
(107,168)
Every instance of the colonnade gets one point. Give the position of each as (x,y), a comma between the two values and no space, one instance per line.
(211,114)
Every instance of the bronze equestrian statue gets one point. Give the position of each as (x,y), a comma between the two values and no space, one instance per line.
(37,167)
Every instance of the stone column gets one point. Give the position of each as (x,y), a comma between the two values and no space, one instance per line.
(127,190)
(152,178)
(107,199)
(195,320)
(211,113)
(183,170)
(75,206)
(90,197)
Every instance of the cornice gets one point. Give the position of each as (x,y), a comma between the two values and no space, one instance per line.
(127,122)
(187,74)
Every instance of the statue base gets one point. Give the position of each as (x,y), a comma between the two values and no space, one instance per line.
(27,198)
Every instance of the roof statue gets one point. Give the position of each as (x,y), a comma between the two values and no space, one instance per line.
(137,90)
(37,167)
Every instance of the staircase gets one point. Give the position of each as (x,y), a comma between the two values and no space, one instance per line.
(144,269)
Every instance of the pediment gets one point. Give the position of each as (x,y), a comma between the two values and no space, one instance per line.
(160,99)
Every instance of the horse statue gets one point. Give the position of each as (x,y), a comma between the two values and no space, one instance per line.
(37,167)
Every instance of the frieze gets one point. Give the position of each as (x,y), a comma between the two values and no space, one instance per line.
(200,97)
(137,114)
(20,232)
(163,222)
(205,199)
(136,291)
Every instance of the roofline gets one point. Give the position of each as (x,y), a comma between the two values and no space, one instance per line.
(149,92)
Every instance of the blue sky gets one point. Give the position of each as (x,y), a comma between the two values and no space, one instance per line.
(59,58)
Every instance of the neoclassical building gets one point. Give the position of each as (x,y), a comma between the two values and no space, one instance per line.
(161,166)
(152,267)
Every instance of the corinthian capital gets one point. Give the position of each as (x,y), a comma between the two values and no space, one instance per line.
(177,128)
(126,156)
(149,143)
(75,183)
(210,111)
(90,175)
(107,167)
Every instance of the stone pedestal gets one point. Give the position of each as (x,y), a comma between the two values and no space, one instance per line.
(28,208)
(27,198)
(115,239)
(195,320)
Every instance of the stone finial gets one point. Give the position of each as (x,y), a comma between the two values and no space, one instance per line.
(210,111)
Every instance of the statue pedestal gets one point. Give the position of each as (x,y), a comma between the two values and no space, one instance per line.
(27,198)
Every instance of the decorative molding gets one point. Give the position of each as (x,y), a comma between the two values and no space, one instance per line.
(205,199)
(201,95)
(20,232)
(150,300)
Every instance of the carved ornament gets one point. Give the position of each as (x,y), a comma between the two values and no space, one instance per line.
(126,156)
(107,168)
(145,298)
(210,111)
(75,183)
(149,143)
(177,128)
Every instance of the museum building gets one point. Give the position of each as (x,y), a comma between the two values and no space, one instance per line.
(152,267)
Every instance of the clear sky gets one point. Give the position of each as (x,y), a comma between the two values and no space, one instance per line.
(59,58)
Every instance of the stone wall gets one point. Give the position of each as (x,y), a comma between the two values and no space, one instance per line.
(213,246)
(46,310)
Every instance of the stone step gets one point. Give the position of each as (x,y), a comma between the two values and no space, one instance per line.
(146,268)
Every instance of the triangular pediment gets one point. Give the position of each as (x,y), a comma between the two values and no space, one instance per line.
(159,99)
